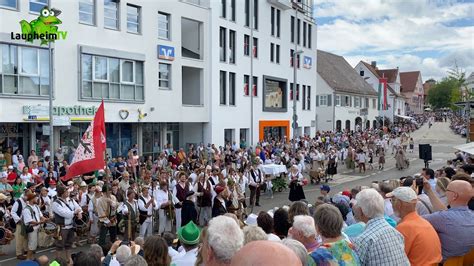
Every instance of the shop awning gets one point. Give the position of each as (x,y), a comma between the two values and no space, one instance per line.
(468,147)
(404,117)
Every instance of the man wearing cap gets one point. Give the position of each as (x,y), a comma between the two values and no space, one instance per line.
(32,217)
(146,205)
(189,236)
(11,175)
(83,196)
(418,233)
(180,191)
(221,201)
(64,211)
(106,210)
(129,210)
(52,189)
(325,193)
(165,201)
(20,240)
(255,181)
(5,188)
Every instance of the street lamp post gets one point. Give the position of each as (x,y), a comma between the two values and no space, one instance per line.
(295,82)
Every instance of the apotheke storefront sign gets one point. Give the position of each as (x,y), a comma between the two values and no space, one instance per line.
(42,110)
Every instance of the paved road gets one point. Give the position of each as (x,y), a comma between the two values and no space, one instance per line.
(439,136)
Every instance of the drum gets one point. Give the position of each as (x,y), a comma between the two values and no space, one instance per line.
(81,225)
(45,214)
(50,228)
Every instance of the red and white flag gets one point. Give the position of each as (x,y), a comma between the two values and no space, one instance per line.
(89,154)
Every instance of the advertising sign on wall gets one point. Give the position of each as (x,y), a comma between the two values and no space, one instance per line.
(274,94)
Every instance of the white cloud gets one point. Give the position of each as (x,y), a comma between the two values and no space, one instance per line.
(414,35)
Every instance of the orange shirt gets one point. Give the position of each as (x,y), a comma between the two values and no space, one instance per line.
(422,244)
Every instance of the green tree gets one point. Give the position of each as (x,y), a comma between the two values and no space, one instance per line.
(445,93)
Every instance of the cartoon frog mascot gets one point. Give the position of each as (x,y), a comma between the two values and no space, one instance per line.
(44,24)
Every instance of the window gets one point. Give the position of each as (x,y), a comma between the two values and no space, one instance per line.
(126,71)
(278,23)
(304,34)
(304,97)
(223,8)
(246,45)
(35,5)
(87,11)
(291,57)
(255,86)
(272,50)
(133,19)
(191,38)
(223,87)
(192,86)
(164,76)
(232,10)
(374,103)
(247,13)
(231,88)
(231,46)
(24,70)
(292,29)
(297,91)
(277,53)
(255,14)
(163,26)
(246,85)
(366,103)
(308,98)
(298,60)
(347,100)
(337,100)
(272,20)
(298,30)
(356,102)
(309,36)
(323,100)
(255,47)
(111,78)
(222,45)
(361,73)
(111,14)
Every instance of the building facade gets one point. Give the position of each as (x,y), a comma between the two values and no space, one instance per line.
(345,101)
(412,89)
(157,66)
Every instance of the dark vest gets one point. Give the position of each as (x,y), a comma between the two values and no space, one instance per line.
(206,199)
(131,211)
(256,179)
(181,192)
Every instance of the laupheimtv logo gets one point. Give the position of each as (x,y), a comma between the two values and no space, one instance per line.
(43,28)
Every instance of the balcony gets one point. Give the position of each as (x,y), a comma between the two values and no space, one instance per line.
(283,4)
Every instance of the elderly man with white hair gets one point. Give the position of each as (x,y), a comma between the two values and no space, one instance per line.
(380,243)
(224,238)
(304,231)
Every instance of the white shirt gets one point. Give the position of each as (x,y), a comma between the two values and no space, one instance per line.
(52,192)
(123,209)
(149,210)
(32,215)
(25,178)
(66,210)
(14,210)
(189,258)
(161,197)
(273,237)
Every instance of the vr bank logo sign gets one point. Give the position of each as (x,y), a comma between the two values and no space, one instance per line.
(166,52)
(308,62)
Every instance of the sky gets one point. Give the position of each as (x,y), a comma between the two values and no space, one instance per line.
(427,35)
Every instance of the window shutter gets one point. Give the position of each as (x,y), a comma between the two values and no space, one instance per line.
(317,100)
(329,99)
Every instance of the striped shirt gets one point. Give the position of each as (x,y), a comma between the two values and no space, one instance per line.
(381,244)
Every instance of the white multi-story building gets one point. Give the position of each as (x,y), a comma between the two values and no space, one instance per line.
(159,69)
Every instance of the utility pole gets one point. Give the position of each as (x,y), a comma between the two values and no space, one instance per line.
(296,53)
(51,81)
(251,44)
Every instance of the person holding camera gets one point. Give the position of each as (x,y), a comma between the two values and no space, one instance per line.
(64,210)
(32,219)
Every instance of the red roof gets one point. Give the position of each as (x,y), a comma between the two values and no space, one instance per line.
(408,81)
(376,74)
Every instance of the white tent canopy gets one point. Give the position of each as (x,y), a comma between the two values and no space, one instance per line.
(405,117)
(467,148)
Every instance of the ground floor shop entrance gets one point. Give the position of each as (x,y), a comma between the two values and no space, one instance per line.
(274,129)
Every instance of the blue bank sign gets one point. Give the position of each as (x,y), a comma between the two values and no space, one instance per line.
(166,52)
(308,62)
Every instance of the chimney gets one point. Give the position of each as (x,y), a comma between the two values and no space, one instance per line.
(373,64)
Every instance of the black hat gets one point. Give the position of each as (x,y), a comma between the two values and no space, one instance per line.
(106,188)
(60,190)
